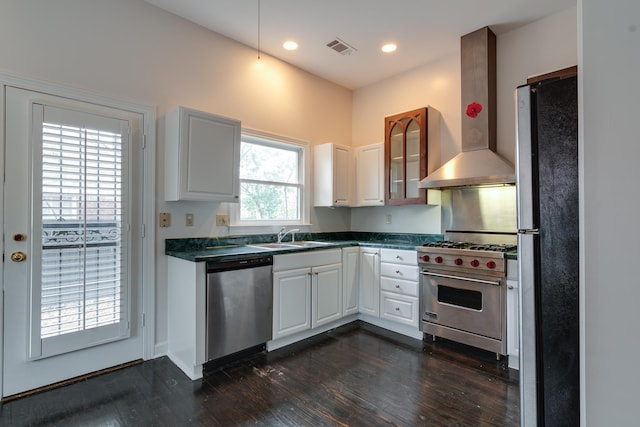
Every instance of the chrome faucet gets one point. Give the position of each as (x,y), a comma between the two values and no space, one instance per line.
(283,233)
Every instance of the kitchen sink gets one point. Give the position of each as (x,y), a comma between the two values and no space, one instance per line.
(273,245)
(291,245)
(309,244)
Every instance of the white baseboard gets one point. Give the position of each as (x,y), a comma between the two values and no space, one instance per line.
(160,349)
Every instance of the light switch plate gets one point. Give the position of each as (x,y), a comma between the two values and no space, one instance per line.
(165,219)
(188,220)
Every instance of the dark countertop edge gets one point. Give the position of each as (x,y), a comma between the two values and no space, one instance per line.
(219,254)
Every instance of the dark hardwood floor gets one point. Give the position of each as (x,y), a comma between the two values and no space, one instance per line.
(357,375)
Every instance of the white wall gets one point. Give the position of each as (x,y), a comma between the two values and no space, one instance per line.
(537,48)
(609,67)
(131,50)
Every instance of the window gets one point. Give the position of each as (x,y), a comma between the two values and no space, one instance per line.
(272,181)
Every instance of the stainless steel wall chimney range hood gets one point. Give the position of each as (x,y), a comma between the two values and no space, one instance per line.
(478,163)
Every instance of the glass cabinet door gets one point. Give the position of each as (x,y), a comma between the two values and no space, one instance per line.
(413,158)
(405,157)
(396,165)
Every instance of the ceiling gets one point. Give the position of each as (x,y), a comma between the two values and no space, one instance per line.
(424,30)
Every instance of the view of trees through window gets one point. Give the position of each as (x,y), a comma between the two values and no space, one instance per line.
(270,181)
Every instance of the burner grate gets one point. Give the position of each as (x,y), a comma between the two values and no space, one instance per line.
(472,246)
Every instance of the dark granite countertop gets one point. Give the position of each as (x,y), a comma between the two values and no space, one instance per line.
(235,247)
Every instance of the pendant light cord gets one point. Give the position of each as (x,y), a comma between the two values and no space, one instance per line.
(258,29)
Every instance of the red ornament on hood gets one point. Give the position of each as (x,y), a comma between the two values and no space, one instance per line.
(473,110)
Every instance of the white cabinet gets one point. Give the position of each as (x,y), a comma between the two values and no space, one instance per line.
(370,175)
(291,302)
(326,294)
(350,268)
(513,324)
(399,286)
(369,299)
(307,291)
(202,156)
(333,175)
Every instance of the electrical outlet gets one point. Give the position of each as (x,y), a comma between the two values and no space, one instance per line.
(165,219)
(188,220)
(222,220)
(387,219)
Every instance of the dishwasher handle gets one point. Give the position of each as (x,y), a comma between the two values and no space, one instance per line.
(238,264)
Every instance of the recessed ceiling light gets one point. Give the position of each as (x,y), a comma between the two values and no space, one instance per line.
(389,47)
(290,45)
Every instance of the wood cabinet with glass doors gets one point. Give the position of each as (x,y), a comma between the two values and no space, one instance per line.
(407,150)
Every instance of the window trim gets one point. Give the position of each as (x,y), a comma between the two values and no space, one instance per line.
(277,141)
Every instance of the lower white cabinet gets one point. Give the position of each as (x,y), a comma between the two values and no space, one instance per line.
(307,291)
(291,302)
(350,284)
(369,299)
(399,286)
(326,294)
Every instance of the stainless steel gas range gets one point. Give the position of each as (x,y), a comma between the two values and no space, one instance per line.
(463,293)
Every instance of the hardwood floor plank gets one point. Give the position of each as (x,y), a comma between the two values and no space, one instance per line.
(357,375)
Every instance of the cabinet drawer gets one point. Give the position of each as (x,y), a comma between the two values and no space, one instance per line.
(399,308)
(404,287)
(398,271)
(398,256)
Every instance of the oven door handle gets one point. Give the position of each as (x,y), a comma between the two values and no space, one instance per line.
(467,279)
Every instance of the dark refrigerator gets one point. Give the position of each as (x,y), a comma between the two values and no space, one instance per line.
(548,233)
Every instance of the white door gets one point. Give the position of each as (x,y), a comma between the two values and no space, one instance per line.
(72,288)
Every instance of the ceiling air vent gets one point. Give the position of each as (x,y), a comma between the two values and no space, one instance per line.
(341,47)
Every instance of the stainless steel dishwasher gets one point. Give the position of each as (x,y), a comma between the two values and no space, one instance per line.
(239,305)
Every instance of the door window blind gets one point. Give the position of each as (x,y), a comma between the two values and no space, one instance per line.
(83,224)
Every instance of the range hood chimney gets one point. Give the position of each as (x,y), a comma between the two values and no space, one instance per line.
(478,163)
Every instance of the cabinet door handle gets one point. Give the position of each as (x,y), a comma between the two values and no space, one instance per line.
(398,257)
(397,286)
(397,308)
(399,272)
(510,287)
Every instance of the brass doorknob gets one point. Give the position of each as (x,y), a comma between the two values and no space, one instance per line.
(18,256)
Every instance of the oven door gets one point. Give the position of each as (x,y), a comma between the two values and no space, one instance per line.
(471,304)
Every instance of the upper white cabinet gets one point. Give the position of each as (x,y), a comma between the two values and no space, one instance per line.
(333,180)
(370,175)
(202,156)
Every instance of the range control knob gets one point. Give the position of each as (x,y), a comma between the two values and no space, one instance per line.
(491,264)
(474,263)
(438,259)
(425,258)
(458,261)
